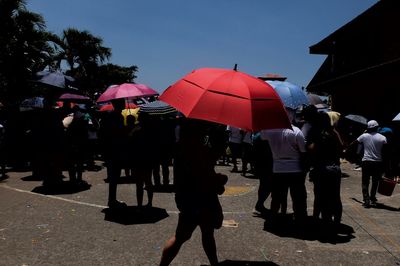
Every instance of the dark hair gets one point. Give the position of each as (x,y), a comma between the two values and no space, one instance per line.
(324,121)
(118,104)
(310,113)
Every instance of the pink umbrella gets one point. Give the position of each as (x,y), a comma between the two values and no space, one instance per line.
(126,90)
(109,107)
(72,96)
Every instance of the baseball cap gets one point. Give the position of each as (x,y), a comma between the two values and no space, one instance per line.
(372,124)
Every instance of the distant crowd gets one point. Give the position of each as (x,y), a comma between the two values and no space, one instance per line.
(144,146)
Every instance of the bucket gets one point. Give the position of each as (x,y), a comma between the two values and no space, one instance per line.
(386,186)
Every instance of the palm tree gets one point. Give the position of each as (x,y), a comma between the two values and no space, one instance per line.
(81,50)
(24,47)
(83,53)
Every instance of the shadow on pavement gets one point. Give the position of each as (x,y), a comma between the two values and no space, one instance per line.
(309,229)
(249,176)
(379,206)
(62,187)
(31,178)
(246,263)
(164,188)
(124,180)
(385,207)
(4,177)
(135,215)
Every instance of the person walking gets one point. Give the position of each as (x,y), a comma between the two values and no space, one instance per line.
(372,161)
(197,187)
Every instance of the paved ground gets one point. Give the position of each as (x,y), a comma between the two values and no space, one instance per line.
(75,228)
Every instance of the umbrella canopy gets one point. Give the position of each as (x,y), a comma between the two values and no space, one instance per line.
(109,106)
(157,108)
(357,118)
(73,97)
(291,95)
(397,117)
(31,104)
(316,101)
(126,90)
(228,97)
(56,79)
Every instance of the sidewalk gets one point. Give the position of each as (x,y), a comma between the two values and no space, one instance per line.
(77,229)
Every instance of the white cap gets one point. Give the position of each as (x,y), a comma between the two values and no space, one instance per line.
(372,124)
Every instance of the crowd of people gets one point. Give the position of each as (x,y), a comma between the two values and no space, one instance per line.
(145,147)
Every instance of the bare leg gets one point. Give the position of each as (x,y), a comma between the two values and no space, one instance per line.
(149,189)
(170,250)
(208,241)
(172,246)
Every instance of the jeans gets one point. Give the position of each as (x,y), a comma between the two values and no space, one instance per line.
(374,170)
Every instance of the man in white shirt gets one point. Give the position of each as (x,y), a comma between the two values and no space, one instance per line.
(288,151)
(372,162)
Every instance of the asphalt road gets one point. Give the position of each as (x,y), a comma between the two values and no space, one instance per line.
(70,227)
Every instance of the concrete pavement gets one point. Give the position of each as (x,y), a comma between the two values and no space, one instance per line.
(75,228)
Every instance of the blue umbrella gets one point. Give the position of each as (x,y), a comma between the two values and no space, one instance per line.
(291,95)
(56,79)
(31,104)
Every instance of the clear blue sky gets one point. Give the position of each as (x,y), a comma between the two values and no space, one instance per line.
(168,39)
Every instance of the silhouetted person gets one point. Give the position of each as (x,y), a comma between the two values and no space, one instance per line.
(2,151)
(325,147)
(131,128)
(310,117)
(262,170)
(143,159)
(165,141)
(113,137)
(235,137)
(247,152)
(76,141)
(197,187)
(48,144)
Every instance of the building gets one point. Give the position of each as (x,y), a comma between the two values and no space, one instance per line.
(362,68)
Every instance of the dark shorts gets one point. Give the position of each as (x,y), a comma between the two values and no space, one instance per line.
(208,214)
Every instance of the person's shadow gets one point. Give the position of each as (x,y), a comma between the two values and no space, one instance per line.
(308,229)
(134,215)
(379,205)
(32,178)
(246,263)
(62,187)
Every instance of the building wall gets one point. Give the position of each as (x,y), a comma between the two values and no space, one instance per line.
(373,94)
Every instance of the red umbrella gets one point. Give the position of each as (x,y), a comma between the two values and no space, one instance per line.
(109,106)
(228,97)
(126,90)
